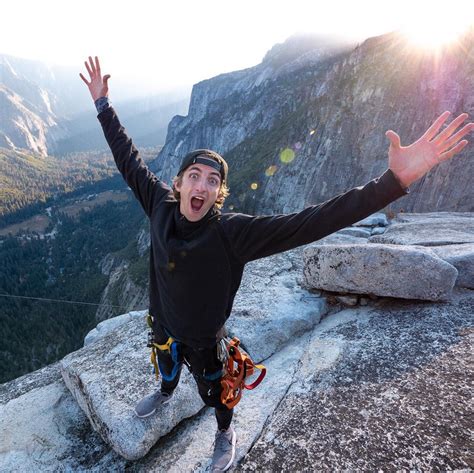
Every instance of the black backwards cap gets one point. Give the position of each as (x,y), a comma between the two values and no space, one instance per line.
(207,157)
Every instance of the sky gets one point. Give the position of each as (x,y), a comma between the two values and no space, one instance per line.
(165,45)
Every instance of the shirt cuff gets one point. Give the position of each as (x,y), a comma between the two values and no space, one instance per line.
(101,104)
(389,174)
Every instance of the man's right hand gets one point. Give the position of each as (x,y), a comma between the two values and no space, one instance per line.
(98,86)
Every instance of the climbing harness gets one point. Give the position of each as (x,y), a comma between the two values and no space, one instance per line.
(238,368)
(237,364)
(171,346)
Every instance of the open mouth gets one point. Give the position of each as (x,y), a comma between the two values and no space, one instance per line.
(197,203)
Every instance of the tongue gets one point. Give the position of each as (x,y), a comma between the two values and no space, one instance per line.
(196,204)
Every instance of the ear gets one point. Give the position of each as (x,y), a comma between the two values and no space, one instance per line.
(177,185)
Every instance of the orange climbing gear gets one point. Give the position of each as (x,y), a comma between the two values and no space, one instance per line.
(238,367)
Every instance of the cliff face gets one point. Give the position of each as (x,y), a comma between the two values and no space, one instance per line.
(228,109)
(48,110)
(308,125)
(27,111)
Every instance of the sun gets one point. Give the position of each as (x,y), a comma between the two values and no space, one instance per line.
(438,27)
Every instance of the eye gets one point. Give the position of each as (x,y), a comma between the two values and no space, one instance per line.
(213,181)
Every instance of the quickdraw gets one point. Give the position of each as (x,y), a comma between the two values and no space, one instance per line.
(238,367)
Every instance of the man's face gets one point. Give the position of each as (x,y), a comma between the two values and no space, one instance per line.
(198,190)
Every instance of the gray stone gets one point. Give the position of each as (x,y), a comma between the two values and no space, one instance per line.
(378,230)
(377,218)
(270,308)
(347,300)
(462,258)
(44,429)
(355,231)
(99,378)
(339,237)
(431,229)
(378,389)
(106,326)
(384,270)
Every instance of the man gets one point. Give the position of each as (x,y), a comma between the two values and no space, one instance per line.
(197,253)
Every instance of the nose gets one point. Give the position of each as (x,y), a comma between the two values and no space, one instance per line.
(199,185)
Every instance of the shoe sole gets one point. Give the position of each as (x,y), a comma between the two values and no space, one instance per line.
(144,416)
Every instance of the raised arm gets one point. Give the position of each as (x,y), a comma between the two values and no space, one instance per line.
(256,237)
(148,189)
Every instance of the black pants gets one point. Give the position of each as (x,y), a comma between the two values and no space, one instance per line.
(205,367)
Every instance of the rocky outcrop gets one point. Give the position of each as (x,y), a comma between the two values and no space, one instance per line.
(449,235)
(107,326)
(384,386)
(382,389)
(269,312)
(398,266)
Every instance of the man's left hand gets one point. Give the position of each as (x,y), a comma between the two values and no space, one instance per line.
(409,163)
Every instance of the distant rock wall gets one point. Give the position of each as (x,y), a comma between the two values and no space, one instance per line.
(312,126)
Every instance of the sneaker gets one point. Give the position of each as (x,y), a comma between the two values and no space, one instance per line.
(148,405)
(224,449)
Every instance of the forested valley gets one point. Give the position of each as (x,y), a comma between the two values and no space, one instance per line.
(62,261)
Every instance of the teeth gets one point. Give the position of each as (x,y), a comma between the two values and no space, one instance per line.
(200,198)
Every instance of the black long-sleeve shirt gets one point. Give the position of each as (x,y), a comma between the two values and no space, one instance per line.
(196,267)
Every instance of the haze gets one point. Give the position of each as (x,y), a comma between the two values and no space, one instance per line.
(167,45)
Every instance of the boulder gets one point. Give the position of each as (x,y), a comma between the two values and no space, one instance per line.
(377,218)
(383,270)
(355,231)
(106,326)
(462,258)
(378,230)
(109,377)
(44,429)
(338,237)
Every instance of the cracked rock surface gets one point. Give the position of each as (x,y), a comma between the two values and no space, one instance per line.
(381,388)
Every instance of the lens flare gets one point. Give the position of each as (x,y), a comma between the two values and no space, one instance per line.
(271,170)
(437,27)
(287,155)
(254,186)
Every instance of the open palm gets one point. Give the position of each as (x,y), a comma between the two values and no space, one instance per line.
(97,85)
(409,163)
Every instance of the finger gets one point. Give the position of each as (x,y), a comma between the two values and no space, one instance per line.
(88,69)
(92,65)
(394,138)
(97,66)
(455,138)
(105,79)
(434,128)
(449,130)
(449,154)
(84,79)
